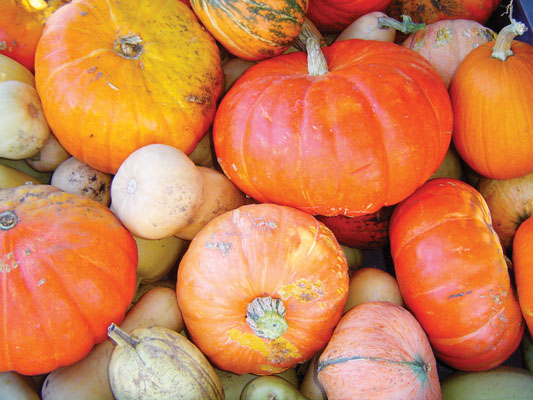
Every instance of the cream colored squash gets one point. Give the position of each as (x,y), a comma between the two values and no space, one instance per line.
(24,129)
(51,155)
(367,27)
(22,165)
(11,70)
(310,387)
(11,177)
(14,386)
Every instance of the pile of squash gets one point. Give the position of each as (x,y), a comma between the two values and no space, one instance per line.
(193,195)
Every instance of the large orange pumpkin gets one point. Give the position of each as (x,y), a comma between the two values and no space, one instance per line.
(261,288)
(494,135)
(21,25)
(430,11)
(523,269)
(342,135)
(68,269)
(116,76)
(379,351)
(252,30)
(453,276)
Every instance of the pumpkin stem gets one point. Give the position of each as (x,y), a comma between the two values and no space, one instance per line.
(120,337)
(407,25)
(8,219)
(129,46)
(308,30)
(310,40)
(35,5)
(266,317)
(502,46)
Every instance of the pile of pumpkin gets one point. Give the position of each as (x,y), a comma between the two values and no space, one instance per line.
(187,192)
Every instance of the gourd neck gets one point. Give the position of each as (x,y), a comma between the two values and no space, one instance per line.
(120,337)
(502,46)
(266,317)
(129,46)
(8,220)
(407,26)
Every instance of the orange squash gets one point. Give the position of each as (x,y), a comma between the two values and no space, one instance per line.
(379,351)
(523,269)
(67,268)
(453,276)
(261,288)
(115,76)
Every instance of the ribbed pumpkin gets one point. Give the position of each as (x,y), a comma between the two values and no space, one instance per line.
(252,30)
(430,11)
(21,26)
(116,76)
(346,134)
(379,351)
(453,277)
(335,15)
(495,136)
(67,267)
(261,288)
(523,269)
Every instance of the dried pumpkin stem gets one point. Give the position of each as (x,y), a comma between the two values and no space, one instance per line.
(8,219)
(129,46)
(120,337)
(266,317)
(502,46)
(317,64)
(407,25)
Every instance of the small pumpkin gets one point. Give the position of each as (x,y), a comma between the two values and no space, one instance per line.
(128,79)
(379,351)
(68,271)
(496,138)
(453,277)
(261,288)
(252,30)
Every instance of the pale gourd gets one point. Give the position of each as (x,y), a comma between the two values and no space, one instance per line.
(11,177)
(14,386)
(11,70)
(51,155)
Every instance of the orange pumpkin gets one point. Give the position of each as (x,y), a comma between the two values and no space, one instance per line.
(116,76)
(430,11)
(67,267)
(453,276)
(261,288)
(21,25)
(379,351)
(252,30)
(523,269)
(495,136)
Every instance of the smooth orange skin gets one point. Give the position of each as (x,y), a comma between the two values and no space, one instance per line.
(335,15)
(364,135)
(102,106)
(254,251)
(384,338)
(68,269)
(495,136)
(430,11)
(523,269)
(453,277)
(21,28)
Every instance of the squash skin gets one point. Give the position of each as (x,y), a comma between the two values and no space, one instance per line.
(252,30)
(68,271)
(453,277)
(102,105)
(261,250)
(316,144)
(522,256)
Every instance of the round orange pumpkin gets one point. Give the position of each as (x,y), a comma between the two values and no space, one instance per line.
(261,288)
(346,134)
(379,351)
(453,276)
(494,136)
(21,25)
(116,76)
(68,269)
(523,269)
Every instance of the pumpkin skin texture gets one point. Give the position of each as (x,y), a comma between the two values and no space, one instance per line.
(112,82)
(523,269)
(68,270)
(248,259)
(335,15)
(453,276)
(379,351)
(495,136)
(446,43)
(21,26)
(252,30)
(347,142)
(430,11)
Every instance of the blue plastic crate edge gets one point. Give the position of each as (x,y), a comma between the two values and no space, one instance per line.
(522,11)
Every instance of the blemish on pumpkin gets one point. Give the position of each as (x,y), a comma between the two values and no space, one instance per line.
(3,45)
(271,370)
(27,252)
(92,70)
(452,296)
(276,351)
(83,13)
(444,36)
(41,282)
(224,247)
(302,290)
